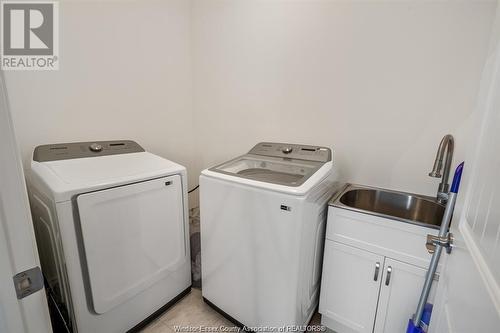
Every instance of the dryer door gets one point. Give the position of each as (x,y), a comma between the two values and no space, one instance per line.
(133,236)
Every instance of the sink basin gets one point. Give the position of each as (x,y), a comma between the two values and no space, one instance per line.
(401,206)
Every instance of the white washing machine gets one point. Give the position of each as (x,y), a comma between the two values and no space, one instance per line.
(263,219)
(111,223)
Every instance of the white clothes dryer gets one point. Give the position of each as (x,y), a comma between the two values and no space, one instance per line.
(111,222)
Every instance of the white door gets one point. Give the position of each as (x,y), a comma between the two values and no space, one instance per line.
(133,237)
(468,295)
(18,251)
(399,294)
(351,293)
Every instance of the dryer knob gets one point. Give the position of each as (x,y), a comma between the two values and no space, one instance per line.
(95,147)
(287,150)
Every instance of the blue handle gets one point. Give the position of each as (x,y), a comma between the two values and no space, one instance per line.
(457,177)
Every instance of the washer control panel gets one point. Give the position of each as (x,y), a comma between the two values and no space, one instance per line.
(293,151)
(66,151)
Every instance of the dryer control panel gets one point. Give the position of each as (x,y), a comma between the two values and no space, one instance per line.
(65,151)
(293,151)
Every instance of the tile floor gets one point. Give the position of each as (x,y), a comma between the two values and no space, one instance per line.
(192,311)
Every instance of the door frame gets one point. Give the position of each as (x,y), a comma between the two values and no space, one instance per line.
(468,295)
(18,251)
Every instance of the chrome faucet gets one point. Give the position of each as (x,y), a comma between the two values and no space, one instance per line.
(447,143)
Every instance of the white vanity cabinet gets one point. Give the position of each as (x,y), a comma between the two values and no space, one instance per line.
(399,294)
(350,288)
(373,271)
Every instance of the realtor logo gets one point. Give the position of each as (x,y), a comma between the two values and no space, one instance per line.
(29,38)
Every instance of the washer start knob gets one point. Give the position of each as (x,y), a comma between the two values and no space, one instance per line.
(287,150)
(95,147)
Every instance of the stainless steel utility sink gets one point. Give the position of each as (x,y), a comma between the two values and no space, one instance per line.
(401,206)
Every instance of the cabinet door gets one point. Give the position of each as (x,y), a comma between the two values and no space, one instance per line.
(350,287)
(401,287)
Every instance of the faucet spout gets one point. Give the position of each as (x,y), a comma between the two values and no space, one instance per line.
(446,146)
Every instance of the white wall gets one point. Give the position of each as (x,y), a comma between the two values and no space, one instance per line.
(201,81)
(379,81)
(125,73)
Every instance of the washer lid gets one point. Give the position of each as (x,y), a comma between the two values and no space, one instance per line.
(277,163)
(275,170)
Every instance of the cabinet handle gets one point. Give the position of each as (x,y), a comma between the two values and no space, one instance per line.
(388,277)
(377,269)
